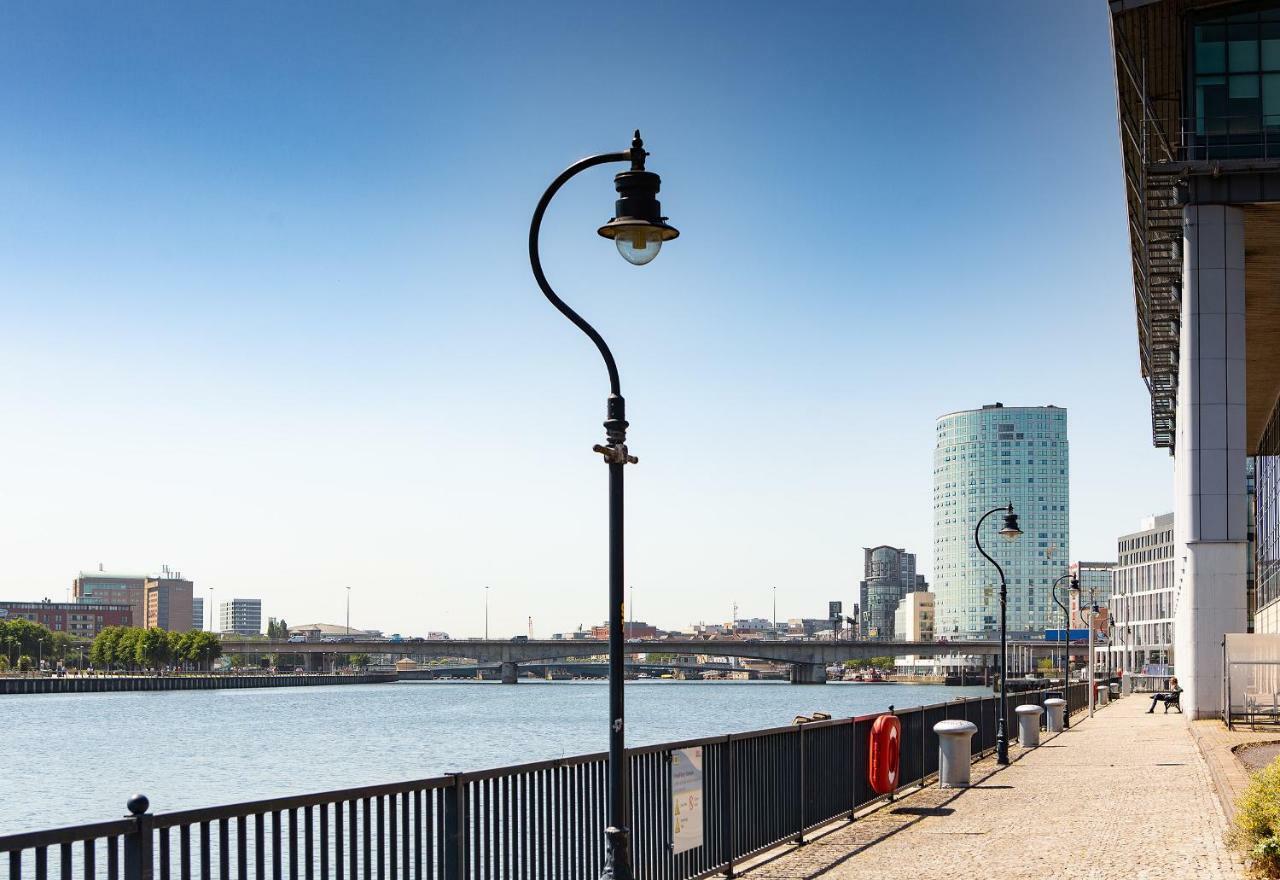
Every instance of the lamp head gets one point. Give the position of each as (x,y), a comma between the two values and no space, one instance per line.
(1075,583)
(1010,531)
(638,227)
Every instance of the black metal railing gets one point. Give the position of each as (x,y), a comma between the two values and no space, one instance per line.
(538,821)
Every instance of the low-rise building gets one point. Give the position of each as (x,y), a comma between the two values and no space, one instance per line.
(913,621)
(631,630)
(1141,602)
(81,620)
(242,617)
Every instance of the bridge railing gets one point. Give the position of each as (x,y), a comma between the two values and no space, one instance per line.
(530,821)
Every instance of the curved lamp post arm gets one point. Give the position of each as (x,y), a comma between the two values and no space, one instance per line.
(976,530)
(535,227)
(1056,600)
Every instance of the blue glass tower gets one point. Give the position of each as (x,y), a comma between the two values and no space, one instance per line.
(985,458)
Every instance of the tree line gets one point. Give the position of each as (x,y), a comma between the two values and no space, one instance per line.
(133,647)
(23,643)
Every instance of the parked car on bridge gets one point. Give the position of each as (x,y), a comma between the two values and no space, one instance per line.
(293,640)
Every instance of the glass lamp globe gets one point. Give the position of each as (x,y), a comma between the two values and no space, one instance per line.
(638,245)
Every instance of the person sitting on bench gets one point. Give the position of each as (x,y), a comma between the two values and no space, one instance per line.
(1171,698)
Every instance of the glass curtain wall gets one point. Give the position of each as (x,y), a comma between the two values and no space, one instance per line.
(1235,85)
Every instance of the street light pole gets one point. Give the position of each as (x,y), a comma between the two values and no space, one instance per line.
(1092,617)
(486,612)
(348,610)
(1066,645)
(638,230)
(1010,532)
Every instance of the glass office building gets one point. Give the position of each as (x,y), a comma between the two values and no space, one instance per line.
(986,458)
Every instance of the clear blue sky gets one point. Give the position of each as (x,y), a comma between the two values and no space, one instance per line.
(266,314)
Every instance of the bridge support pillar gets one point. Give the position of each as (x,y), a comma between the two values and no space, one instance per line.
(808,673)
(510,673)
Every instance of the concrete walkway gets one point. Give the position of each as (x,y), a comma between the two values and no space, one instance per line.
(1124,795)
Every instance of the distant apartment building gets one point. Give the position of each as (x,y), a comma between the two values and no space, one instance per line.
(1096,579)
(81,620)
(914,622)
(167,603)
(986,458)
(1141,603)
(197,612)
(104,588)
(631,630)
(889,574)
(913,618)
(242,617)
(808,627)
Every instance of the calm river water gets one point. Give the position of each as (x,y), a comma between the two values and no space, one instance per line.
(78,757)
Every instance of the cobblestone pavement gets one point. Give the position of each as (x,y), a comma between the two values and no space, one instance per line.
(1122,795)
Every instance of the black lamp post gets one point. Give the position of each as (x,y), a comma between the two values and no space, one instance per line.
(1010,532)
(638,229)
(1066,645)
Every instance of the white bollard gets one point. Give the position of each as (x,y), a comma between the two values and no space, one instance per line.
(1029,725)
(954,752)
(1055,711)
(1104,694)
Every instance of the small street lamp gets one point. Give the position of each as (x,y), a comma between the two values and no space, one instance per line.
(638,229)
(1066,644)
(1010,532)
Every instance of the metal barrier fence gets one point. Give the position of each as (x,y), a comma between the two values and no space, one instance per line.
(539,821)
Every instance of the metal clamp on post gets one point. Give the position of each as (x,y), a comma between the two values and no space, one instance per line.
(615,454)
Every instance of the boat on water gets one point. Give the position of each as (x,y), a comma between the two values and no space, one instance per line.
(869,676)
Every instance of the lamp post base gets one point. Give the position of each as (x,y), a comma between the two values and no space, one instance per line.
(1002,745)
(617,855)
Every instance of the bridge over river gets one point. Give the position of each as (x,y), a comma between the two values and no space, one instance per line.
(808,659)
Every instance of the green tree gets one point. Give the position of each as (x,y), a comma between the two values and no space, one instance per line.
(360,661)
(103,650)
(21,636)
(205,648)
(126,654)
(153,649)
(24,663)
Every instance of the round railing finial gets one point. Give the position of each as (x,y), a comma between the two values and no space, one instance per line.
(138,804)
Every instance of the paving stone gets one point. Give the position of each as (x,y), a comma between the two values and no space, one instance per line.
(1121,796)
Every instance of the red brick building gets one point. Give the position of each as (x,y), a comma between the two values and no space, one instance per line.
(82,621)
(629,630)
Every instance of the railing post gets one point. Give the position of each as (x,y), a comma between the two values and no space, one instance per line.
(455,830)
(137,843)
(923,764)
(803,787)
(727,802)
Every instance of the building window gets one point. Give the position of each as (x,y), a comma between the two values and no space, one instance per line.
(1235,100)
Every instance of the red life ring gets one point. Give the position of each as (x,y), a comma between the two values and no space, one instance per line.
(882,764)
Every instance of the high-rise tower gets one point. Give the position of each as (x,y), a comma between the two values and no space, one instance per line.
(985,458)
